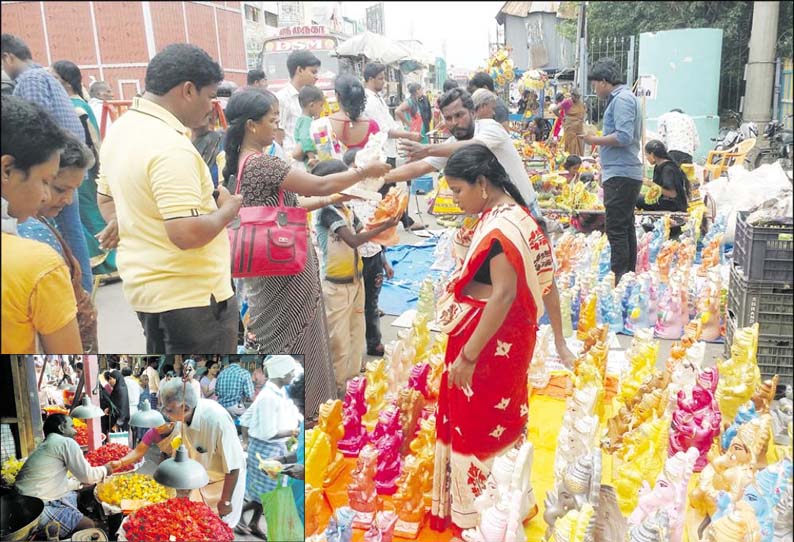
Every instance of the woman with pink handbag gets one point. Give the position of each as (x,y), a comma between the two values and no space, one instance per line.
(286,312)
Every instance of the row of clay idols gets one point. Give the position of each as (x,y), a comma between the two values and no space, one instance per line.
(761,512)
(641,301)
(410,359)
(379,466)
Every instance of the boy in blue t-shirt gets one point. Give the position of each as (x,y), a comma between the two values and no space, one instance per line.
(312,100)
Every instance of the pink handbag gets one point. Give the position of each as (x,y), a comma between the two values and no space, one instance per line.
(267,241)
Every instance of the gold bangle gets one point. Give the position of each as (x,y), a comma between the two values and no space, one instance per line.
(359,173)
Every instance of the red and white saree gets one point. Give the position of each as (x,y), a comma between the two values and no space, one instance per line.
(475,425)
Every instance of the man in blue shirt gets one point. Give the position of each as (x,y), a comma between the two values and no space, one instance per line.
(37,85)
(233,385)
(621,167)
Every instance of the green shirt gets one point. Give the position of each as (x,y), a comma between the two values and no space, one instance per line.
(303,135)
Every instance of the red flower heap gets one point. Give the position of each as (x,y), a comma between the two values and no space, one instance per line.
(179,517)
(107,453)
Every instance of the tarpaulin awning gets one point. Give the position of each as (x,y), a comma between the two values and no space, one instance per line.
(373,47)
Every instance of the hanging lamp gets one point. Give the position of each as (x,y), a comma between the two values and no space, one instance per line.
(181,472)
(146,417)
(87,410)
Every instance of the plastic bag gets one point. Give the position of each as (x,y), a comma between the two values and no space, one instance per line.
(328,146)
(373,150)
(742,190)
(281,514)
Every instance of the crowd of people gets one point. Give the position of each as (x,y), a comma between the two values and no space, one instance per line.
(157,204)
(252,414)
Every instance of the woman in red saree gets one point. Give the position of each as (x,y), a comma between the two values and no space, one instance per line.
(490,313)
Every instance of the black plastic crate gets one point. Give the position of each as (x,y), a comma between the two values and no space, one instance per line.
(764,253)
(769,304)
(775,354)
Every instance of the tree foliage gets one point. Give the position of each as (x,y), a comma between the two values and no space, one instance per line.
(629,18)
(618,19)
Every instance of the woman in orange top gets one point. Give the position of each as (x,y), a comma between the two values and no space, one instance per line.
(38,302)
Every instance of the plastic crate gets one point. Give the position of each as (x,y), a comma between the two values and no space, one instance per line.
(764,253)
(775,354)
(422,185)
(769,304)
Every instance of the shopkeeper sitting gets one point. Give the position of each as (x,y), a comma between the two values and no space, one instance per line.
(44,476)
(667,175)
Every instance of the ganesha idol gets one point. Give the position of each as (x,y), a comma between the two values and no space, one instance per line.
(735,468)
(708,308)
(354,409)
(673,313)
(362,495)
(668,494)
(387,438)
(508,499)
(696,422)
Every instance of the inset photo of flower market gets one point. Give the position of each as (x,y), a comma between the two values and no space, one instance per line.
(138,448)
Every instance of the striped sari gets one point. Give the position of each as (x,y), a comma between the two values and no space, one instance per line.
(475,425)
(286,314)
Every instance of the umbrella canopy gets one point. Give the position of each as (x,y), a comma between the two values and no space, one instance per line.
(374,47)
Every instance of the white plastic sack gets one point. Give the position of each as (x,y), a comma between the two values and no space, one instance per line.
(742,189)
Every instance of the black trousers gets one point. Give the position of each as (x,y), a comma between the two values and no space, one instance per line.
(206,330)
(680,157)
(373,280)
(620,197)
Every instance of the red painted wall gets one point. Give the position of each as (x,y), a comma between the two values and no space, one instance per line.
(121,36)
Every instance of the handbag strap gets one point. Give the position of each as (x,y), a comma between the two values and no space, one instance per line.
(240,176)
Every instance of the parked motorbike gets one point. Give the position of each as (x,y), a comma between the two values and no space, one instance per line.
(729,138)
(779,143)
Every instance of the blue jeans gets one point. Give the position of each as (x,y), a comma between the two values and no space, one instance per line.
(69,225)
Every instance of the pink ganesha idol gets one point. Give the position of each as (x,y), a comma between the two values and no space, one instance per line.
(696,422)
(673,312)
(354,409)
(387,438)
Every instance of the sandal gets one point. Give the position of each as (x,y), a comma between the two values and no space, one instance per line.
(378,350)
(242,528)
(256,531)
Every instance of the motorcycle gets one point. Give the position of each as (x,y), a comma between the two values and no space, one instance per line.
(729,138)
(779,145)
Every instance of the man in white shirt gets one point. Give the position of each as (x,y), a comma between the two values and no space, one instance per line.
(99,92)
(267,424)
(303,68)
(154,381)
(679,134)
(376,109)
(133,390)
(44,476)
(458,109)
(211,439)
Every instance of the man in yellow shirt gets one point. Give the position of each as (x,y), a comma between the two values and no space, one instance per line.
(173,251)
(38,301)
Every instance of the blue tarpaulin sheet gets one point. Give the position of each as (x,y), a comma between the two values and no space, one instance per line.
(411,265)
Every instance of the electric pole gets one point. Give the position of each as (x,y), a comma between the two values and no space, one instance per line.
(761,64)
